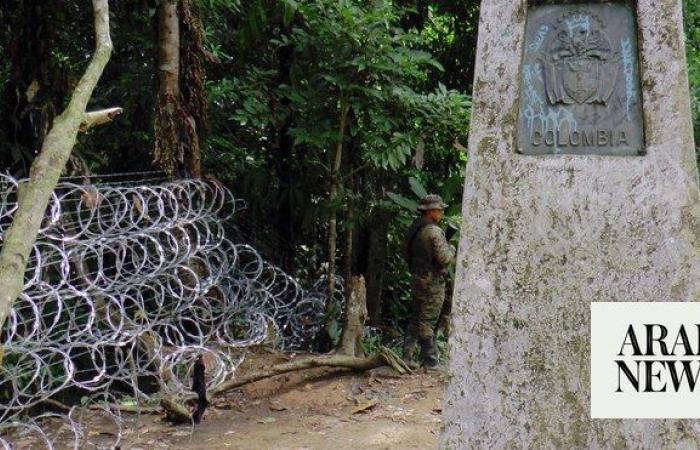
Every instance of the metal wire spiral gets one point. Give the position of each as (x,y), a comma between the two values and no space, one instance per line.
(126,286)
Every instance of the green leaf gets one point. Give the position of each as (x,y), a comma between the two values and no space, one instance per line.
(417,187)
(290,8)
(334,330)
(452,186)
(403,202)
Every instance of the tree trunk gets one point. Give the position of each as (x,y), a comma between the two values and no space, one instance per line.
(33,196)
(168,151)
(192,76)
(168,48)
(349,246)
(376,261)
(284,168)
(336,181)
(355,317)
(285,192)
(349,253)
(181,104)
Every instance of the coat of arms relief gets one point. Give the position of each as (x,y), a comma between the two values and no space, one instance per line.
(579,64)
(580,91)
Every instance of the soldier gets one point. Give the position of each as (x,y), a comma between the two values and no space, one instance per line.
(428,254)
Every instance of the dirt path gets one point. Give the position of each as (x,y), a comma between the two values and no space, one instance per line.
(374,410)
(338,412)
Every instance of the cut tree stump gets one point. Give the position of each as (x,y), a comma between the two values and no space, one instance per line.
(355,317)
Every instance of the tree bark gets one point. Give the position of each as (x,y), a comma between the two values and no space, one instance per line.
(349,253)
(34,194)
(169,48)
(349,247)
(192,75)
(355,317)
(376,260)
(336,184)
(181,104)
(168,152)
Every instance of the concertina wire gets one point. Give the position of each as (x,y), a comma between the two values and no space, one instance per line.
(130,281)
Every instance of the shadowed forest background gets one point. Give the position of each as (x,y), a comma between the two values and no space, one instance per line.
(315,112)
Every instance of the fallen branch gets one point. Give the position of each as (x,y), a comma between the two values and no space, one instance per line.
(94,118)
(179,413)
(383,357)
(136,409)
(56,404)
(175,412)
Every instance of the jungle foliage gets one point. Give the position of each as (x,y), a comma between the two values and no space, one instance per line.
(315,110)
(318,113)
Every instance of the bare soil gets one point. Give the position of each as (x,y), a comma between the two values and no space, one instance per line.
(374,410)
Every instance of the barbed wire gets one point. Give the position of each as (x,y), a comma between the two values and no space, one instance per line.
(129,282)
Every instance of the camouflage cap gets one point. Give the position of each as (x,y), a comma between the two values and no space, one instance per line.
(431,201)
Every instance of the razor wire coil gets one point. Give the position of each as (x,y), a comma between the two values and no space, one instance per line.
(128,281)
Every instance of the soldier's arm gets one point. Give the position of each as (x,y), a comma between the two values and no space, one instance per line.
(442,250)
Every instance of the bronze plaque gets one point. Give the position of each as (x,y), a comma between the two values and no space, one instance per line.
(580,91)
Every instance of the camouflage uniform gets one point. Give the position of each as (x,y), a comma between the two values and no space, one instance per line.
(428,254)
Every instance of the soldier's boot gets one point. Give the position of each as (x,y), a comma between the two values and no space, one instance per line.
(409,345)
(428,353)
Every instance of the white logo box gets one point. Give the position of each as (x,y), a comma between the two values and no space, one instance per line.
(610,330)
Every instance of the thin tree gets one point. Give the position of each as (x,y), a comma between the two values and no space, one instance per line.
(34,193)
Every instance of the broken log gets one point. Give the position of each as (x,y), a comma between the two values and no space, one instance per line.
(384,357)
(175,412)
